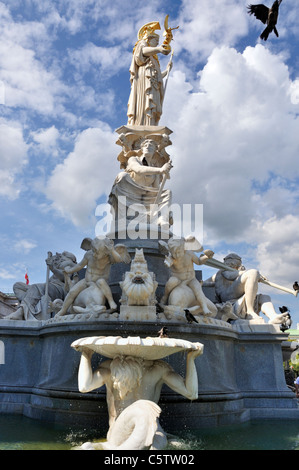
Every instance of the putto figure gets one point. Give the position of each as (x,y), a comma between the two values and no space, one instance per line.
(100,255)
(181,261)
(147,89)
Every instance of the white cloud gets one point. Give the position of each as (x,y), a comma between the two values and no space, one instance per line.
(46,138)
(278,248)
(209,23)
(106,59)
(5,274)
(27,83)
(13,157)
(240,128)
(24,246)
(85,175)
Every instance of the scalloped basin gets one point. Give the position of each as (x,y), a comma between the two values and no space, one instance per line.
(147,348)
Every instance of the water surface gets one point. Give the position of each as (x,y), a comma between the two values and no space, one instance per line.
(21,433)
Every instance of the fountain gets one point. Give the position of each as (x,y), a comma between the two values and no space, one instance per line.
(135,299)
(134,376)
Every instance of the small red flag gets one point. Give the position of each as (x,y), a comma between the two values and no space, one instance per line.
(27,278)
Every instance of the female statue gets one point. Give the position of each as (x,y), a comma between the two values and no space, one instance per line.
(147,89)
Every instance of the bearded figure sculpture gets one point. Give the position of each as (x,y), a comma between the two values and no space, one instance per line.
(139,285)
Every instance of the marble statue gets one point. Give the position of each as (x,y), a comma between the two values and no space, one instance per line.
(138,299)
(147,89)
(139,285)
(92,292)
(34,298)
(183,289)
(133,376)
(139,186)
(240,288)
(130,139)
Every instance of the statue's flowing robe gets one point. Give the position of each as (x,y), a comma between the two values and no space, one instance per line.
(30,296)
(146,97)
(126,192)
(224,290)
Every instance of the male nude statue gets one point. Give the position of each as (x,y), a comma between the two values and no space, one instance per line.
(98,260)
(129,379)
(181,264)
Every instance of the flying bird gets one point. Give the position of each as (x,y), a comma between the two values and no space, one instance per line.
(296,286)
(189,317)
(163,333)
(267,15)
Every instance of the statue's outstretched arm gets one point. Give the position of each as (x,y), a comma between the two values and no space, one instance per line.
(188,387)
(77,267)
(87,379)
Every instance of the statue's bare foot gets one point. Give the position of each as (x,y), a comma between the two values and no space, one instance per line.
(279,319)
(206,312)
(61,313)
(17,315)
(253,316)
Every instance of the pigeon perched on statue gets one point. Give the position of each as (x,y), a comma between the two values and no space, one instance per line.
(189,317)
(287,323)
(163,333)
(283,309)
(267,15)
(287,320)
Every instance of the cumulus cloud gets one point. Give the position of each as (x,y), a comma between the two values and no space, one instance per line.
(24,246)
(46,138)
(206,24)
(6,274)
(27,82)
(278,248)
(13,151)
(238,129)
(106,60)
(85,175)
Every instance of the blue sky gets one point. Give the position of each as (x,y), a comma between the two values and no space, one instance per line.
(232,103)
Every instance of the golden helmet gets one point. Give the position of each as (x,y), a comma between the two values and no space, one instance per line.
(148,30)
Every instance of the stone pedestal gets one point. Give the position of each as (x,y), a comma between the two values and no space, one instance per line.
(134,313)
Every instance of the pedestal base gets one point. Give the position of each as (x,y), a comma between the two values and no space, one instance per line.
(134,313)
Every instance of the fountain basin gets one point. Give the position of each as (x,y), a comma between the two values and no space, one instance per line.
(240,373)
